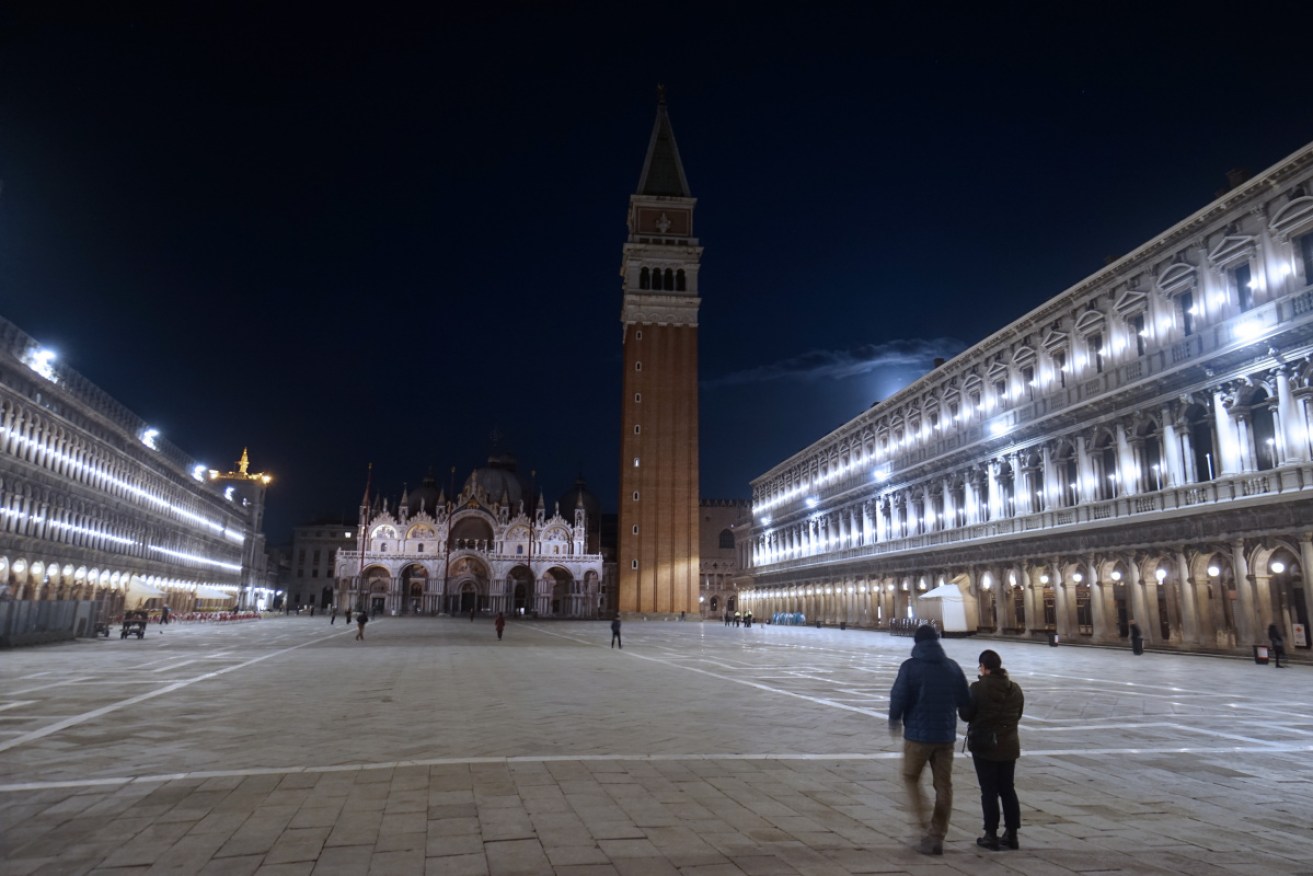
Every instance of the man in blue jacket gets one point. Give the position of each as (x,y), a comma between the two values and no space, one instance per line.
(923,706)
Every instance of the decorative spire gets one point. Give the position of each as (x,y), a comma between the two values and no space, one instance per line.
(663,172)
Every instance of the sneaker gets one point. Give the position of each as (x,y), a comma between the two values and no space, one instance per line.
(929,846)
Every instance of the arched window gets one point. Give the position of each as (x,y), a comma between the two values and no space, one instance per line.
(644,279)
(670,280)
(726,539)
(679,280)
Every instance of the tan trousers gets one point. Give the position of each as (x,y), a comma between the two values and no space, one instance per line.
(940,757)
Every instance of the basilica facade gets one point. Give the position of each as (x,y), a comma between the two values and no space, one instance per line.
(1136,450)
(491,548)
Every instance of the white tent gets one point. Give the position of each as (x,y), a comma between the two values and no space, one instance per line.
(947,606)
(139,592)
(203,592)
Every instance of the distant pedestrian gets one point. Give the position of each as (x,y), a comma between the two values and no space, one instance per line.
(332,618)
(361,620)
(348,615)
(1137,638)
(727,617)
(738,618)
(992,717)
(472,615)
(500,624)
(923,706)
(1278,643)
(615,633)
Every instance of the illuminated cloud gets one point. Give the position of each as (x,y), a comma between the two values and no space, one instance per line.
(867,359)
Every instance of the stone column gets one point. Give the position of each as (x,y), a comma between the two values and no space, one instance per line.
(1096,598)
(1189,611)
(1128,483)
(1139,611)
(1244,608)
(1227,458)
(1084,473)
(995,503)
(1173,473)
(1295,444)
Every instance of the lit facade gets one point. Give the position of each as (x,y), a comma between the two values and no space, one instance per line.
(718,555)
(96,506)
(657,542)
(1136,448)
(481,551)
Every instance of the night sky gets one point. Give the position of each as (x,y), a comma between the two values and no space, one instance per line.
(381,236)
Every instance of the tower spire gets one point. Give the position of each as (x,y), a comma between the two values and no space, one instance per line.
(663,172)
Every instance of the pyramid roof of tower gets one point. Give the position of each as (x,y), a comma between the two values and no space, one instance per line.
(663,172)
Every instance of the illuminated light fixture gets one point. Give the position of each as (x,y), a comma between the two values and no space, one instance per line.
(1044,579)
(1278,567)
(148,437)
(1193,311)
(999,428)
(1214,570)
(1248,330)
(1116,575)
(199,472)
(1160,574)
(1252,284)
(765,521)
(1012,578)
(228,494)
(812,501)
(881,474)
(1077,577)
(41,360)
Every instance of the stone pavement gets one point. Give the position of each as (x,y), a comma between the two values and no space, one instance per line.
(283,746)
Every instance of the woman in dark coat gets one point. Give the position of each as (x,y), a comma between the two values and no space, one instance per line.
(993,714)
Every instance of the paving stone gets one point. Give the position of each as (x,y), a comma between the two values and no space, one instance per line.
(557,764)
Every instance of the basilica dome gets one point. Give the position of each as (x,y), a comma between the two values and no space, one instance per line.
(571,497)
(500,480)
(425,496)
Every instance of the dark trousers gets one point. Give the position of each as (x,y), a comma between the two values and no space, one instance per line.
(995,778)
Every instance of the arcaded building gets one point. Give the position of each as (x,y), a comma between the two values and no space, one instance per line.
(97,507)
(1137,448)
(492,547)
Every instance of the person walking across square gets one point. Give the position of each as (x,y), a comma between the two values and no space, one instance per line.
(361,620)
(923,706)
(615,633)
(992,717)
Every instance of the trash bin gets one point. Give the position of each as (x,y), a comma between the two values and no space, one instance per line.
(818,625)
(1053,639)
(843,625)
(1260,654)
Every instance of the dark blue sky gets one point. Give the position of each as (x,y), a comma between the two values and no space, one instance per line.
(339,239)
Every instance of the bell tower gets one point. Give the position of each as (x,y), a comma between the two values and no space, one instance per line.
(658,538)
